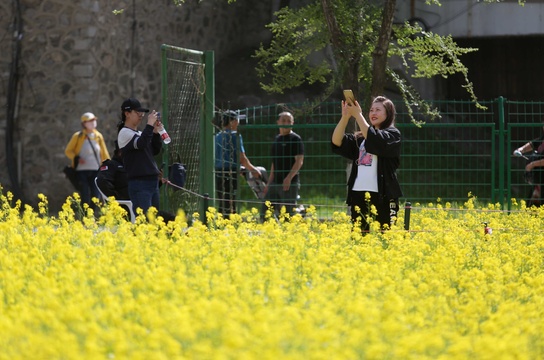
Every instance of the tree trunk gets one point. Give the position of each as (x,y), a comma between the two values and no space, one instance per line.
(332,24)
(379,56)
(349,63)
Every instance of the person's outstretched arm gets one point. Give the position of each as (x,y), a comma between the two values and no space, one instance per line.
(249,166)
(525,148)
(339,130)
(357,113)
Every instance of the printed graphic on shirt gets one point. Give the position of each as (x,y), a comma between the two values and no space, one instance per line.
(364,158)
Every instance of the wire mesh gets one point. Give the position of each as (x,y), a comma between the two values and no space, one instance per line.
(524,122)
(184,81)
(448,157)
(323,174)
(465,151)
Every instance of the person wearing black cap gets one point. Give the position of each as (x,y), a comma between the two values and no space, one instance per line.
(228,144)
(138,149)
(113,181)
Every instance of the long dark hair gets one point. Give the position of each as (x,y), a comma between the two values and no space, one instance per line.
(389,109)
(121,123)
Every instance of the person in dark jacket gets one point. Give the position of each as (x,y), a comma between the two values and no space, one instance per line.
(375,152)
(112,180)
(139,149)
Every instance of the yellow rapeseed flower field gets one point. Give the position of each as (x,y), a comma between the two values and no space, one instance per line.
(104,288)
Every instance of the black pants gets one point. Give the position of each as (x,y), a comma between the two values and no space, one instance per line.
(279,198)
(226,184)
(387,209)
(87,186)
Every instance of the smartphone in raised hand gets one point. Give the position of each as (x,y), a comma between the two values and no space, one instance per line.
(350,98)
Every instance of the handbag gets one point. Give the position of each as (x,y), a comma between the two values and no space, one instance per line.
(177,174)
(70,173)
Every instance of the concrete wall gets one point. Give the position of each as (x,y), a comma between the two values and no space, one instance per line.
(475,18)
(77,56)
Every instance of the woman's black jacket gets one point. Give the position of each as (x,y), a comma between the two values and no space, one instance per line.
(384,143)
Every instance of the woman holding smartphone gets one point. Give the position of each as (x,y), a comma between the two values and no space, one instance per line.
(375,152)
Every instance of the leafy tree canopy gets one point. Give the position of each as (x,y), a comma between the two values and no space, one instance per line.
(348,58)
(347,44)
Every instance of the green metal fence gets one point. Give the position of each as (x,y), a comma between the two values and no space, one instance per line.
(524,122)
(467,150)
(187,112)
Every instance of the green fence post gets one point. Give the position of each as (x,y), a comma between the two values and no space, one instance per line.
(164,118)
(207,180)
(509,168)
(407,210)
(501,156)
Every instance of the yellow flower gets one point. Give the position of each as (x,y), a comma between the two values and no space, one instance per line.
(303,288)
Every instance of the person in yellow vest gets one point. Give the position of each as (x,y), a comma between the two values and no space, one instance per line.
(87,149)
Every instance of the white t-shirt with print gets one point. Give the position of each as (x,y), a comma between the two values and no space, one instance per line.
(367,171)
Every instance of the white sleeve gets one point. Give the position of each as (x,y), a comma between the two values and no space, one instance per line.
(124,137)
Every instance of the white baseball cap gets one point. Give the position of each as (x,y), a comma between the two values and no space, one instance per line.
(88,116)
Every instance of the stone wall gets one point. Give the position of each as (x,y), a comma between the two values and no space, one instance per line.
(77,56)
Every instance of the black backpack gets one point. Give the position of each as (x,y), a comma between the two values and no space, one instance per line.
(177,174)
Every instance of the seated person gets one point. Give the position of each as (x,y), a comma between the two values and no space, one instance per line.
(113,181)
